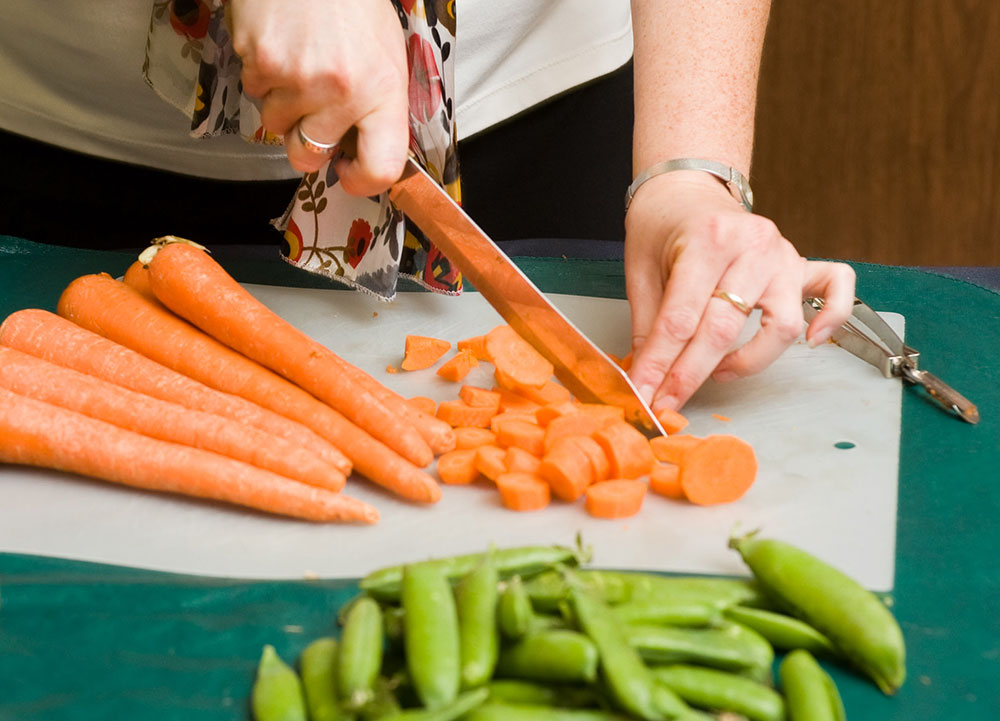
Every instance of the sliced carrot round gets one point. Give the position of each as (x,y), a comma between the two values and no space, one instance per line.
(673,449)
(458,467)
(671,421)
(719,470)
(458,413)
(458,366)
(516,358)
(618,498)
(665,479)
(491,461)
(627,449)
(473,437)
(567,469)
(523,491)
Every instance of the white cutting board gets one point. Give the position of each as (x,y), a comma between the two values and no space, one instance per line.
(835,502)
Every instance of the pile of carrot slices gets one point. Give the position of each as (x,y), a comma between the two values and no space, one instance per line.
(527,437)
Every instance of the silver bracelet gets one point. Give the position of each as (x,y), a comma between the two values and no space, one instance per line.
(733,179)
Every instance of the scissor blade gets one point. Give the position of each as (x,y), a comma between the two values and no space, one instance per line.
(579,364)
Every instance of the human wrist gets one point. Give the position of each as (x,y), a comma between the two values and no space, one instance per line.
(729,176)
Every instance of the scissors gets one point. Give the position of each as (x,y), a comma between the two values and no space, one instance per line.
(870,338)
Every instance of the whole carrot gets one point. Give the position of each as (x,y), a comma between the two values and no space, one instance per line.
(190,283)
(64,387)
(137,278)
(57,340)
(114,310)
(40,434)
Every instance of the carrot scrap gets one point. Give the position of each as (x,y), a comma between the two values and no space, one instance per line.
(457,412)
(458,467)
(720,469)
(520,461)
(423,404)
(391,369)
(719,417)
(671,421)
(523,434)
(473,437)
(618,498)
(458,366)
(665,479)
(673,449)
(475,345)
(480,397)
(516,358)
(567,469)
(422,352)
(627,450)
(491,461)
(523,491)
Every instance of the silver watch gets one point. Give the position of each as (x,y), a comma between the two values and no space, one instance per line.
(733,179)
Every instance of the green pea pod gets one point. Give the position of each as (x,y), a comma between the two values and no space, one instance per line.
(360,654)
(514,612)
(533,693)
(669,612)
(318,668)
(853,618)
(385,583)
(810,692)
(431,636)
(629,680)
(730,647)
(479,639)
(560,656)
(277,691)
(383,703)
(710,688)
(392,623)
(784,632)
(524,712)
(462,705)
(549,590)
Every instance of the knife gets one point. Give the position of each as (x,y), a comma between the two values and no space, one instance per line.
(581,366)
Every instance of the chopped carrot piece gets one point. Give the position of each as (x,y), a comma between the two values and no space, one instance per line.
(567,469)
(391,369)
(665,479)
(549,392)
(423,352)
(501,418)
(627,449)
(523,491)
(458,366)
(480,397)
(516,358)
(550,411)
(491,461)
(514,401)
(673,449)
(475,345)
(619,498)
(519,460)
(720,469)
(459,413)
(671,420)
(423,404)
(571,424)
(719,417)
(473,437)
(599,463)
(607,414)
(523,434)
(458,467)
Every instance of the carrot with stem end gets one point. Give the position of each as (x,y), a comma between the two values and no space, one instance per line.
(137,278)
(35,378)
(40,434)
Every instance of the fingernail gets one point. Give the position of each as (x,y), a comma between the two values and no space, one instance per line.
(820,337)
(668,401)
(646,393)
(724,376)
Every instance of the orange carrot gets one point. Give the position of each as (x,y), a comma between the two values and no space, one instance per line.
(719,470)
(519,460)
(501,418)
(599,463)
(515,358)
(549,392)
(137,278)
(626,361)
(523,491)
(665,479)
(457,412)
(671,421)
(194,286)
(571,424)
(458,366)
(480,397)
(720,417)
(673,449)
(64,387)
(567,469)
(391,369)
(422,352)
(607,414)
(458,467)
(523,434)
(57,340)
(550,411)
(491,461)
(618,498)
(627,450)
(475,345)
(473,437)
(40,434)
(511,401)
(423,404)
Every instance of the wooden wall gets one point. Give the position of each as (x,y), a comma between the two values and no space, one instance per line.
(878,129)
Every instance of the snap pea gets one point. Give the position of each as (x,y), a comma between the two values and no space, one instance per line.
(318,669)
(277,691)
(463,704)
(359,658)
(717,690)
(514,611)
(851,617)
(392,622)
(730,647)
(559,655)
(523,712)
(431,637)
(810,692)
(383,703)
(385,583)
(519,691)
(669,612)
(784,632)
(479,639)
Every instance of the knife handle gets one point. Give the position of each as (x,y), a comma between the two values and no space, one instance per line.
(942,393)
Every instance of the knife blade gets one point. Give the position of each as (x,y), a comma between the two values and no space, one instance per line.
(579,364)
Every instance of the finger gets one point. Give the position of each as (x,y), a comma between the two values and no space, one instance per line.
(382,145)
(307,158)
(835,284)
(644,288)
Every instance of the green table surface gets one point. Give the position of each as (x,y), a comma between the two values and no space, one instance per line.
(87,641)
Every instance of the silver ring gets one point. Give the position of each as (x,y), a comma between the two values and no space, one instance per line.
(314,146)
(734,300)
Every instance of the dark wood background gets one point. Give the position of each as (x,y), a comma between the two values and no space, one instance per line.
(878,129)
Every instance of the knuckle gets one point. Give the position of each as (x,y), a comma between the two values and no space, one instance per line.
(723,330)
(680,324)
(787,327)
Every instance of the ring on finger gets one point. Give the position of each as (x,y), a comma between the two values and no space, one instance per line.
(315,146)
(734,300)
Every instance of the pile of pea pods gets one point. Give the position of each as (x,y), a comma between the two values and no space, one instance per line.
(527,633)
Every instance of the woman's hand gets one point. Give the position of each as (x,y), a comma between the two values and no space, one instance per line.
(687,237)
(329,66)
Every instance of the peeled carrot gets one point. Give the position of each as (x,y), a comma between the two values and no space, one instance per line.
(519,460)
(665,479)
(550,411)
(57,340)
(194,286)
(549,392)
(571,424)
(458,467)
(35,378)
(137,278)
(511,401)
(457,412)
(599,463)
(607,414)
(618,498)
(422,352)
(673,449)
(719,470)
(491,461)
(40,434)
(458,366)
(627,450)
(671,421)
(423,404)
(567,470)
(473,437)
(475,345)
(501,418)
(523,434)
(517,359)
(523,491)
(480,397)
